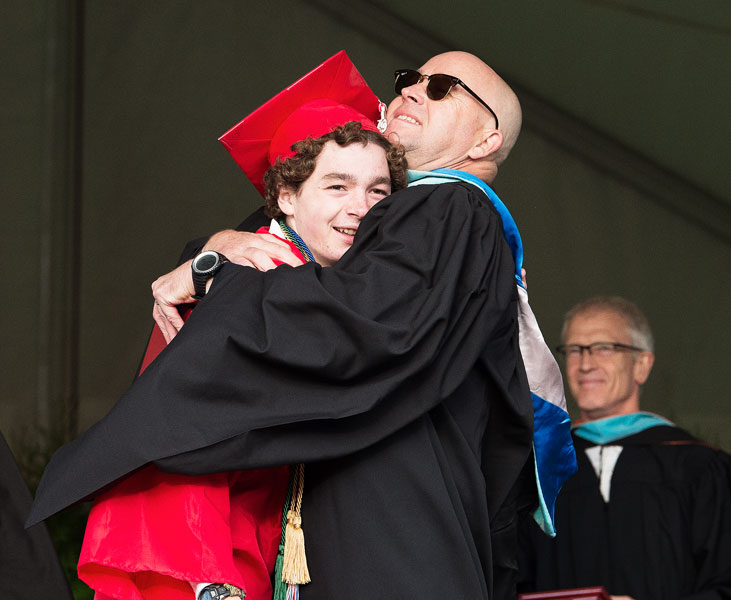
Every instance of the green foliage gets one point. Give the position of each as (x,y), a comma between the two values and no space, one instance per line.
(67,532)
(34,447)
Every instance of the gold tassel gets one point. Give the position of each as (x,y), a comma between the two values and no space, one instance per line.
(294,568)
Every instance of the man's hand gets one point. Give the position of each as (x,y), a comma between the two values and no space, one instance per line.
(621,597)
(252,249)
(170,290)
(240,247)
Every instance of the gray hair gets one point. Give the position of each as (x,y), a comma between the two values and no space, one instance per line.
(637,326)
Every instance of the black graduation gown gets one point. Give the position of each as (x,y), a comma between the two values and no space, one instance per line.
(395,376)
(28,560)
(665,533)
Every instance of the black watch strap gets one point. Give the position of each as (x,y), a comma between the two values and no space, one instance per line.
(205,266)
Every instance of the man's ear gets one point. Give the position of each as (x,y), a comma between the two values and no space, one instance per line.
(643,366)
(491,141)
(286,200)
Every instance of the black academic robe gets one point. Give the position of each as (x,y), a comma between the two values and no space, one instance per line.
(394,375)
(664,534)
(28,560)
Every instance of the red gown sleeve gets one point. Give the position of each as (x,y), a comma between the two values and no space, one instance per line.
(153,532)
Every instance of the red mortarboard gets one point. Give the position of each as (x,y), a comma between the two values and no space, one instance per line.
(329,95)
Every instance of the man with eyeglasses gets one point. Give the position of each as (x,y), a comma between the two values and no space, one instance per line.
(405,391)
(648,515)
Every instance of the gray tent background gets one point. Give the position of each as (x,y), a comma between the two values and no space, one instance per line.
(110,117)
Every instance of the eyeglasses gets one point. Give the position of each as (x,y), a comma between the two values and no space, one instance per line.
(597,350)
(438,86)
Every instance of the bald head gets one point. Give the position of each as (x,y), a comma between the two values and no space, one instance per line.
(457,132)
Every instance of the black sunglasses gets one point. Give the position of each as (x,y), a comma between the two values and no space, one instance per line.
(438,86)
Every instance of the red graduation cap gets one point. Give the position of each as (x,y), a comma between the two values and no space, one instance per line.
(329,95)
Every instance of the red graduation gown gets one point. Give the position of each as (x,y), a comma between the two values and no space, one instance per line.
(153,533)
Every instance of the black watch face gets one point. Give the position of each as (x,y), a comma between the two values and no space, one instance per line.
(206,262)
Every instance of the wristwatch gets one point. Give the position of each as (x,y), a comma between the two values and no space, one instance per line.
(214,592)
(205,266)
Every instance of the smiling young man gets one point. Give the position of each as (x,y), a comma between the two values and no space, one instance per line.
(648,515)
(327,207)
(405,391)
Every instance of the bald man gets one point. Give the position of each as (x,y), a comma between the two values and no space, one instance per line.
(462,130)
(405,391)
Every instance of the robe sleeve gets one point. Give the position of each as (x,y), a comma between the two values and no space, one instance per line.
(27,557)
(307,364)
(710,527)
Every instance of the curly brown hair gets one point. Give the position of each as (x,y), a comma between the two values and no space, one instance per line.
(294,171)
